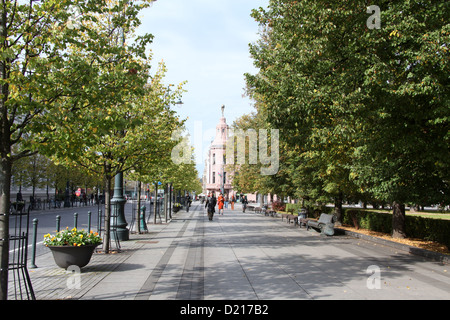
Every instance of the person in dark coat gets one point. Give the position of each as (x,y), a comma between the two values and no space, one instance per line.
(188,202)
(211,206)
(244,203)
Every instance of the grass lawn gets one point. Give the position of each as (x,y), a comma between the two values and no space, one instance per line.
(445,216)
(425,214)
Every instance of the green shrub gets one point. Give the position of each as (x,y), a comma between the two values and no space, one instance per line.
(293,207)
(428,229)
(375,221)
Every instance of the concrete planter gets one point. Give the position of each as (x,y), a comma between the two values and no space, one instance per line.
(66,256)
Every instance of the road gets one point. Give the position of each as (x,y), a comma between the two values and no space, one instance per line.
(47,222)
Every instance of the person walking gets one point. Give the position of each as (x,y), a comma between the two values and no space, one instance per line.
(188,202)
(220,202)
(233,200)
(211,205)
(244,203)
(226,201)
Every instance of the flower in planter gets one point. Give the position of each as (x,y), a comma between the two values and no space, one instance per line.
(72,237)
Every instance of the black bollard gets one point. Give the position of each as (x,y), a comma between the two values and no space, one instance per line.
(89,221)
(58,223)
(33,247)
(75,220)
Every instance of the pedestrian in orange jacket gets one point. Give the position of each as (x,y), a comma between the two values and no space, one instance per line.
(220,202)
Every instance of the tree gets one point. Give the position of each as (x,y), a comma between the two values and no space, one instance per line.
(108,139)
(367,109)
(245,176)
(158,129)
(305,87)
(248,174)
(403,153)
(38,68)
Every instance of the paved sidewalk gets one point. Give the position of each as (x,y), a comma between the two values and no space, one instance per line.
(243,256)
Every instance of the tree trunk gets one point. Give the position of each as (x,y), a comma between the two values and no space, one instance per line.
(155,201)
(338,208)
(138,211)
(398,221)
(170,201)
(165,202)
(5,195)
(5,166)
(107,237)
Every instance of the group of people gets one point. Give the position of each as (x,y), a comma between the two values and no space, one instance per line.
(222,202)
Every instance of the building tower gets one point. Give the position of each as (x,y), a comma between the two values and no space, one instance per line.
(217,177)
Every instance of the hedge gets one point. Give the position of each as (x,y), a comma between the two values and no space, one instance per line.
(314,210)
(416,227)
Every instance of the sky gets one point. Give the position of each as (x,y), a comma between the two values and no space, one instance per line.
(206,43)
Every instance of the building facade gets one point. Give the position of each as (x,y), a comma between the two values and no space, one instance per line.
(215,177)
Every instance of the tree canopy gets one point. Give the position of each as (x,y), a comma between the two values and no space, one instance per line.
(64,60)
(363,112)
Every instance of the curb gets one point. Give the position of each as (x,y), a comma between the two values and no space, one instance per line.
(435,256)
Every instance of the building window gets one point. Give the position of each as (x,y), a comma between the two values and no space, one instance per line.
(214,177)
(224,159)
(214,158)
(224,177)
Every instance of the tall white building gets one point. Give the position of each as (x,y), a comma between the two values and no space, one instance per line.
(216,178)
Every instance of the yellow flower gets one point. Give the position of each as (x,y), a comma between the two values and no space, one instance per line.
(74,229)
(81,236)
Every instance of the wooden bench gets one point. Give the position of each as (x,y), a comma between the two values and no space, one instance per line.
(289,217)
(302,222)
(270,212)
(325,224)
(265,209)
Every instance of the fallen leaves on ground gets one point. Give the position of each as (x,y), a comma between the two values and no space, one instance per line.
(418,243)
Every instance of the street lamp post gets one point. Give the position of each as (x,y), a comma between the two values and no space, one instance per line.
(223,179)
(118,222)
(118,211)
